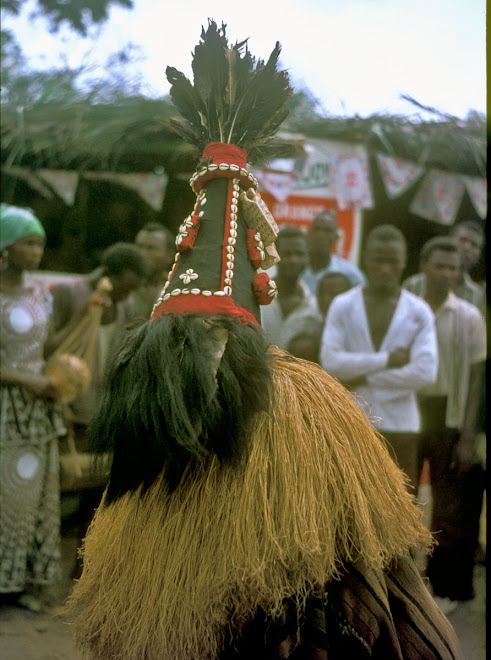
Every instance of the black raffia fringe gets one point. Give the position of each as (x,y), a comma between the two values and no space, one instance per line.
(160,406)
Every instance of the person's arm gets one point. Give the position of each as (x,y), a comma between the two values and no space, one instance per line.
(464,453)
(335,356)
(422,365)
(396,359)
(38,386)
(65,319)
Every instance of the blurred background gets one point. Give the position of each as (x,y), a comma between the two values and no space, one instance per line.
(387,122)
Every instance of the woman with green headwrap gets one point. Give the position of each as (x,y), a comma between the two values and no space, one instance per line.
(31,419)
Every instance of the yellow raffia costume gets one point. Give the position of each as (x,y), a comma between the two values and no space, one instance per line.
(166,575)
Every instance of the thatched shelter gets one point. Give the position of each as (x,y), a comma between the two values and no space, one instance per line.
(127,137)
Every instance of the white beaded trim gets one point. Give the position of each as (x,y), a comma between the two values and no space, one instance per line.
(273,290)
(260,246)
(190,275)
(223,167)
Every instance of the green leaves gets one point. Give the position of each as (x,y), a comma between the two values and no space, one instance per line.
(234,99)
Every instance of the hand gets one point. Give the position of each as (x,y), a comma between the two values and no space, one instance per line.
(398,358)
(40,387)
(98,298)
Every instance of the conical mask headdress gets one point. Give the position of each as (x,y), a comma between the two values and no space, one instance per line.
(230,114)
(187,383)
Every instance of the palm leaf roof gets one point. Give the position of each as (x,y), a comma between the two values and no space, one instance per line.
(128,136)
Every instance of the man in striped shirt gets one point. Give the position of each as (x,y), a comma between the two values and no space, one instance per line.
(469,237)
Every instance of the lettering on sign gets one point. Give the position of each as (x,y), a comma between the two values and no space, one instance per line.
(316,176)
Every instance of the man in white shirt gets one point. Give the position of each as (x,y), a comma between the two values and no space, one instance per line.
(380,341)
(321,239)
(449,409)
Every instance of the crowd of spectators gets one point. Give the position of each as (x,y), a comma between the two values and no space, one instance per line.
(413,354)
(411,351)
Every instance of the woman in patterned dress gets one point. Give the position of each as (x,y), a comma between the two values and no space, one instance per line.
(31,419)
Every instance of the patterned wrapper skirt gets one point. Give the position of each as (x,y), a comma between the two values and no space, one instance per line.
(29,490)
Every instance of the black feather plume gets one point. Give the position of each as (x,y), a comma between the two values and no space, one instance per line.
(233,99)
(161,407)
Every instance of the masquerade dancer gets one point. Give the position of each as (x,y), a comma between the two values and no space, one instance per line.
(252,511)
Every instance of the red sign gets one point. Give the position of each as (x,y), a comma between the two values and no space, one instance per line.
(299,210)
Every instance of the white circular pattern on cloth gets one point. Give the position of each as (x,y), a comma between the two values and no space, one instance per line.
(27,465)
(21,320)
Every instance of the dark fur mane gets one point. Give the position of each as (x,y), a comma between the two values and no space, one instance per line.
(160,405)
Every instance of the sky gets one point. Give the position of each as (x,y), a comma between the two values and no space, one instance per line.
(355,56)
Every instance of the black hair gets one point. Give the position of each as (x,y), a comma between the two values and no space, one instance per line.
(312,335)
(444,243)
(161,407)
(328,214)
(386,233)
(472,225)
(289,232)
(154,227)
(332,274)
(120,257)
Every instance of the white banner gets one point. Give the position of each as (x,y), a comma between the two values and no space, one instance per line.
(330,169)
(327,175)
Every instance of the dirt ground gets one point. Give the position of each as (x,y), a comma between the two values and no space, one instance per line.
(43,636)
(47,636)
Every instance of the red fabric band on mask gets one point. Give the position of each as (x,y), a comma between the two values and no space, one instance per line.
(208,305)
(261,288)
(227,154)
(220,152)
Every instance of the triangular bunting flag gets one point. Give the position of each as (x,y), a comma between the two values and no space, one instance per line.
(439,197)
(63,182)
(351,182)
(30,178)
(397,174)
(477,189)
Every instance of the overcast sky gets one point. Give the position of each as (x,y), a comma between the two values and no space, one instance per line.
(355,56)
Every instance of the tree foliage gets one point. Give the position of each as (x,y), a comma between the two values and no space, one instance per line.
(23,86)
(79,14)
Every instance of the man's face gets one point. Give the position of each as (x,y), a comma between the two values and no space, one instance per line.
(470,244)
(441,270)
(384,263)
(158,255)
(293,255)
(323,235)
(123,284)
